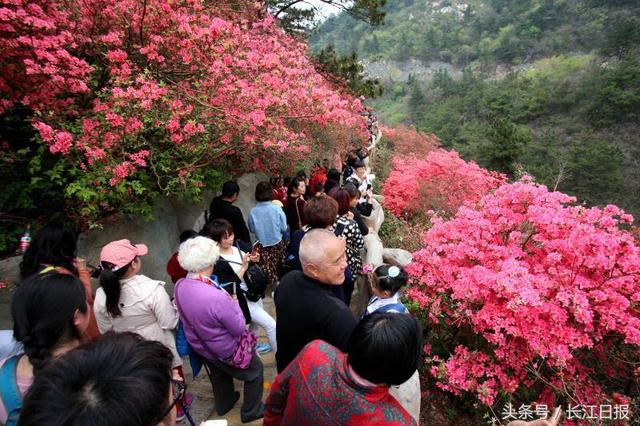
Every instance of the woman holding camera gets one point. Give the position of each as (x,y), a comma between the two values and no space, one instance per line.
(231,267)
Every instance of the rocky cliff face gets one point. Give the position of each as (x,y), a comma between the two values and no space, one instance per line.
(389,71)
(171,217)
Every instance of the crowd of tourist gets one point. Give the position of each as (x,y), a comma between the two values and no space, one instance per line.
(115,358)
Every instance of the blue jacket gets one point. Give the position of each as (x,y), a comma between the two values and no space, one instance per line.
(268,222)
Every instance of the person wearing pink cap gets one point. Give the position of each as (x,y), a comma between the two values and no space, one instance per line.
(130,301)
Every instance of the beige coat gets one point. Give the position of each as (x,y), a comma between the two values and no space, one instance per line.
(146,310)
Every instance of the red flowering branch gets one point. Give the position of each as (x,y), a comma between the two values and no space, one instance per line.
(176,81)
(439,183)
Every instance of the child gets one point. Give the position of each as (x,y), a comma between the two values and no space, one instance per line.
(386,284)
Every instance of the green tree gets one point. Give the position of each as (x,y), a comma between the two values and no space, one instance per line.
(594,172)
(614,93)
(295,19)
(371,45)
(623,34)
(417,101)
(544,159)
(404,51)
(506,144)
(347,69)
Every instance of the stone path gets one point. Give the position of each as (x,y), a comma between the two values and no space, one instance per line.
(202,408)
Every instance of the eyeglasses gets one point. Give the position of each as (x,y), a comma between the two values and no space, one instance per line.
(179,388)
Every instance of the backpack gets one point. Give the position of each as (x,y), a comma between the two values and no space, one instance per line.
(9,393)
(222,270)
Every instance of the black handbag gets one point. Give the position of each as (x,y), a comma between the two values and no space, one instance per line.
(255,279)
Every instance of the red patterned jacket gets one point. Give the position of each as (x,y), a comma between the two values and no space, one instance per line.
(318,388)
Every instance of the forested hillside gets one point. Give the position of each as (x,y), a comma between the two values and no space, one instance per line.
(551,88)
(463,32)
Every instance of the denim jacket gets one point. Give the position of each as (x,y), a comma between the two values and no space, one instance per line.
(268,222)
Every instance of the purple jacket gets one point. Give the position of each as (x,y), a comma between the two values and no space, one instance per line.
(212,320)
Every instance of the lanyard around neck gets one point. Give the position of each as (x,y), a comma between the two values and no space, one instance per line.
(205,280)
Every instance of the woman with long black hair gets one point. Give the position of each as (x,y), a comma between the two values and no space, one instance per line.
(55,248)
(50,315)
(295,203)
(130,301)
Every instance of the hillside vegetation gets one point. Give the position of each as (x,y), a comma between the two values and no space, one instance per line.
(567,109)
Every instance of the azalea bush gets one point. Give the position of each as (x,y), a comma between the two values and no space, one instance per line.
(440,183)
(399,141)
(531,297)
(407,141)
(163,96)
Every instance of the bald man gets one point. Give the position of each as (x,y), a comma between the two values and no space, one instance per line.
(305,307)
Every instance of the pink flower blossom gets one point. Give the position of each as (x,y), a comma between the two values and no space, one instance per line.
(133,125)
(117,55)
(189,129)
(207,78)
(139,157)
(120,172)
(62,144)
(46,132)
(537,280)
(442,182)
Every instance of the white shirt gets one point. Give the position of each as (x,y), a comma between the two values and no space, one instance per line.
(235,260)
(376,303)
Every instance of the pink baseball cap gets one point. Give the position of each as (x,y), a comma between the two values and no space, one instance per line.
(121,252)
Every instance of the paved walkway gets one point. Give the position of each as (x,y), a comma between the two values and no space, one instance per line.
(202,408)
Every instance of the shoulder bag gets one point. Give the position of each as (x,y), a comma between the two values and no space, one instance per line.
(9,392)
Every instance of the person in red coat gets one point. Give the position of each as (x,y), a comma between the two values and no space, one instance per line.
(318,176)
(325,386)
(279,190)
(174,269)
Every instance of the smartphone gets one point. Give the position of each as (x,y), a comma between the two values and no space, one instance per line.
(222,422)
(368,187)
(254,249)
(339,229)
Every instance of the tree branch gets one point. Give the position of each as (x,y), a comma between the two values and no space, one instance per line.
(144,12)
(286,6)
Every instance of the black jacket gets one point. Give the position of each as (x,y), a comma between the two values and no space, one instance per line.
(225,274)
(222,209)
(306,310)
(364,230)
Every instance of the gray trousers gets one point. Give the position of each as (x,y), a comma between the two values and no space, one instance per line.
(222,375)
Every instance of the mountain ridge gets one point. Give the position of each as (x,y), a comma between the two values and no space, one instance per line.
(547,87)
